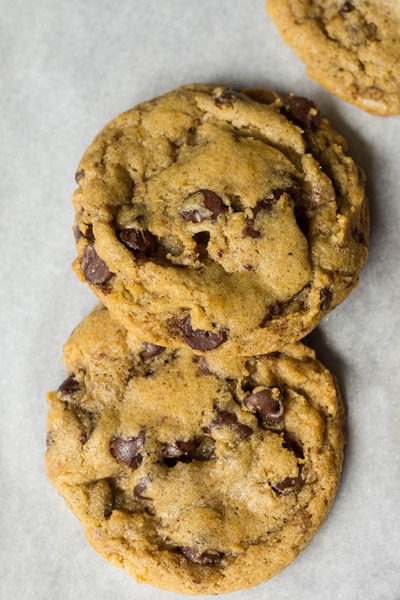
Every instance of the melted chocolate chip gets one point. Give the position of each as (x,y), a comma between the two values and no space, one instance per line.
(346,8)
(209,557)
(301,112)
(70,386)
(88,233)
(150,351)
(79,175)
(192,215)
(201,448)
(140,241)
(250,231)
(226,418)
(213,202)
(200,339)
(127,449)
(325,296)
(228,97)
(140,489)
(290,485)
(201,362)
(85,436)
(274,311)
(267,404)
(94,269)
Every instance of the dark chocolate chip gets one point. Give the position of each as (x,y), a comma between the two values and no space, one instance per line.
(140,241)
(228,97)
(84,437)
(126,450)
(213,202)
(201,362)
(94,269)
(346,8)
(250,231)
(301,112)
(325,296)
(267,404)
(201,448)
(200,339)
(108,509)
(150,351)
(70,386)
(209,557)
(289,485)
(274,311)
(224,417)
(79,175)
(192,215)
(140,489)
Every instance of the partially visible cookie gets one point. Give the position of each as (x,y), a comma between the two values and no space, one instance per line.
(195,474)
(220,220)
(351,47)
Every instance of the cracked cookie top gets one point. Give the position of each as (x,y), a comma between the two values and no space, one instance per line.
(195,474)
(351,47)
(221,220)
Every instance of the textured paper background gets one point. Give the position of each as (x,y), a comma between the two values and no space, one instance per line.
(67,67)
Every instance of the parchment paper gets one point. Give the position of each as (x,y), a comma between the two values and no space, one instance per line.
(68,67)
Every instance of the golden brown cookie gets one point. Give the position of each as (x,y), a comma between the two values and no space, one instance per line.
(351,47)
(220,220)
(195,474)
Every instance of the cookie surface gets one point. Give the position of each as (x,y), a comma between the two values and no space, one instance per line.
(221,221)
(351,47)
(195,474)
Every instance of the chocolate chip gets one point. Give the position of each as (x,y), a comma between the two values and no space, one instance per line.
(301,112)
(250,231)
(228,97)
(289,485)
(94,269)
(88,233)
(127,449)
(224,417)
(268,403)
(201,362)
(209,557)
(150,351)
(140,241)
(201,448)
(70,386)
(293,445)
(192,215)
(325,296)
(140,489)
(108,509)
(200,339)
(346,8)
(79,175)
(211,201)
(274,311)
(84,437)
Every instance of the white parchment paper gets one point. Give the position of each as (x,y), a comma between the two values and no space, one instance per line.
(67,67)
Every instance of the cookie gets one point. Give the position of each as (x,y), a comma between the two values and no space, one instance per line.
(351,47)
(195,474)
(224,221)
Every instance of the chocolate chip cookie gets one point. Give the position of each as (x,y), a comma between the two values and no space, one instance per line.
(351,47)
(220,220)
(195,474)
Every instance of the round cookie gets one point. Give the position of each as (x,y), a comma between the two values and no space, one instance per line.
(351,47)
(195,474)
(219,220)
